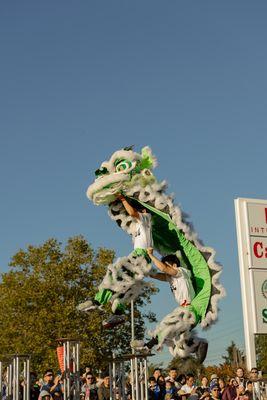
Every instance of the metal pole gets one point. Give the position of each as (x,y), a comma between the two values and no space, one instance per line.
(111,380)
(146,381)
(1,382)
(65,371)
(123,381)
(132,379)
(136,378)
(68,370)
(132,321)
(28,379)
(141,380)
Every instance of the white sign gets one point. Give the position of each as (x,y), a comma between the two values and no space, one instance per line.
(251,225)
(257,230)
(260,289)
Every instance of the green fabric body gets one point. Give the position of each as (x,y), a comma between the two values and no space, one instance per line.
(104,296)
(167,240)
(141,252)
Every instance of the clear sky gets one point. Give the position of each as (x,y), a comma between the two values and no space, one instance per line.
(81,79)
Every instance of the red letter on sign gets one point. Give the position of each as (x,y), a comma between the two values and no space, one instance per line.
(255,249)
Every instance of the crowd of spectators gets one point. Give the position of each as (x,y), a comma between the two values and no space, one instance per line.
(182,387)
(168,386)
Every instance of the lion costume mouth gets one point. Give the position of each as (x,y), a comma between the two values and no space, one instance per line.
(104,189)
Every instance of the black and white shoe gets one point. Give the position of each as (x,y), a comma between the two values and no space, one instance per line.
(113,321)
(88,305)
(201,351)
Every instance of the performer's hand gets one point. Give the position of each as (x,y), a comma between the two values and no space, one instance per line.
(120,196)
(150,251)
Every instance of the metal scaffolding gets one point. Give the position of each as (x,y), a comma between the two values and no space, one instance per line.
(17,374)
(71,368)
(138,376)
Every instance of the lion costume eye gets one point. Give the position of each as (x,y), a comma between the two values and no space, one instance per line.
(122,165)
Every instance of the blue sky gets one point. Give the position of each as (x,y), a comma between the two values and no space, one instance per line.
(81,79)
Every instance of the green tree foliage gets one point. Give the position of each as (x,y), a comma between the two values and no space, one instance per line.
(234,357)
(188,365)
(261,351)
(39,296)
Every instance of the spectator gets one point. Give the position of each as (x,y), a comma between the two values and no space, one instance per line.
(203,388)
(229,392)
(189,388)
(222,386)
(154,389)
(249,390)
(172,377)
(214,391)
(156,373)
(89,388)
(162,386)
(170,391)
(214,379)
(104,389)
(181,381)
(52,385)
(34,387)
(254,376)
(240,377)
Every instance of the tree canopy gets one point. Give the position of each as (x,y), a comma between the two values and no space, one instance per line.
(39,296)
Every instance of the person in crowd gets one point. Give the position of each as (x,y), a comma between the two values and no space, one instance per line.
(181,379)
(170,391)
(104,389)
(52,385)
(89,388)
(240,377)
(88,368)
(154,389)
(222,386)
(204,387)
(162,385)
(156,373)
(34,387)
(214,391)
(240,393)
(172,377)
(189,389)
(249,390)
(229,392)
(253,377)
(214,379)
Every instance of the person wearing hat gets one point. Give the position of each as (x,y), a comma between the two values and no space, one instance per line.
(214,391)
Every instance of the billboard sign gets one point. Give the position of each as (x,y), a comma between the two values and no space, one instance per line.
(251,225)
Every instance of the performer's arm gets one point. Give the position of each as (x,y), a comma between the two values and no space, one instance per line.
(130,209)
(160,265)
(158,275)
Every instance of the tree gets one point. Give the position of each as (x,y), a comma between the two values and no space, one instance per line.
(39,296)
(261,351)
(184,366)
(235,357)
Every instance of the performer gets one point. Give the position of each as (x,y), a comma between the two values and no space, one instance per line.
(142,239)
(178,277)
(182,288)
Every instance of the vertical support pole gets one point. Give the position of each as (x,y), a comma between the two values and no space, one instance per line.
(141,379)
(1,381)
(114,376)
(146,380)
(111,380)
(123,380)
(28,378)
(9,380)
(132,379)
(136,383)
(65,372)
